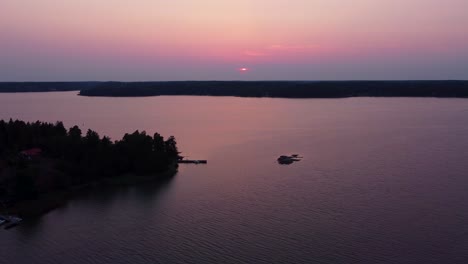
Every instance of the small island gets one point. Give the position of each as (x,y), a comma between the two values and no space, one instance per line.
(42,164)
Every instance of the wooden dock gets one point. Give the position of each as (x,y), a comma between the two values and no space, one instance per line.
(9,221)
(193,161)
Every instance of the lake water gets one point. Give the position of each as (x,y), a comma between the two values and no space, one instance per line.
(383,180)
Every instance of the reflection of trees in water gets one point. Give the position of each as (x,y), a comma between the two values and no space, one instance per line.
(143,191)
(97,205)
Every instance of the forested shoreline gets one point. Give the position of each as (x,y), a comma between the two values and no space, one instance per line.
(40,158)
(276,89)
(284,89)
(25,87)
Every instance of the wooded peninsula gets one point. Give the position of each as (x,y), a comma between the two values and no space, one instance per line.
(277,89)
(285,89)
(39,159)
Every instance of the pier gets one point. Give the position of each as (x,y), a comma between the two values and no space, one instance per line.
(9,221)
(193,161)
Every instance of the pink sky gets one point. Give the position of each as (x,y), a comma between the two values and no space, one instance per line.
(211,39)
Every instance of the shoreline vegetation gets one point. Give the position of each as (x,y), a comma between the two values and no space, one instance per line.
(27,87)
(274,89)
(42,165)
(284,89)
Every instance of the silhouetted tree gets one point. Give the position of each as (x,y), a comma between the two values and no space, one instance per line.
(171,147)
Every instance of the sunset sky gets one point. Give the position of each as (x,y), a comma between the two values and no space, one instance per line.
(61,40)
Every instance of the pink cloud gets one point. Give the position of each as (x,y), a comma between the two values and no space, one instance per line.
(282,51)
(292,47)
(251,53)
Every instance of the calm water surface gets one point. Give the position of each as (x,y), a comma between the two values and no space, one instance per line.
(382,181)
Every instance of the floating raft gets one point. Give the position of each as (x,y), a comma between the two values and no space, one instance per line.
(286,160)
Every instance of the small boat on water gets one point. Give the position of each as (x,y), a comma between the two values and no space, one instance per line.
(2,221)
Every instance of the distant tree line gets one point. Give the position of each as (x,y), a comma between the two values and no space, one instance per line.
(17,87)
(280,89)
(70,157)
(284,89)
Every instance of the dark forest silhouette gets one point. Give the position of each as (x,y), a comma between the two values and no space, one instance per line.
(284,89)
(280,89)
(21,87)
(62,158)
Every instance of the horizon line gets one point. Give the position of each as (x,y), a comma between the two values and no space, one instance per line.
(363,80)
